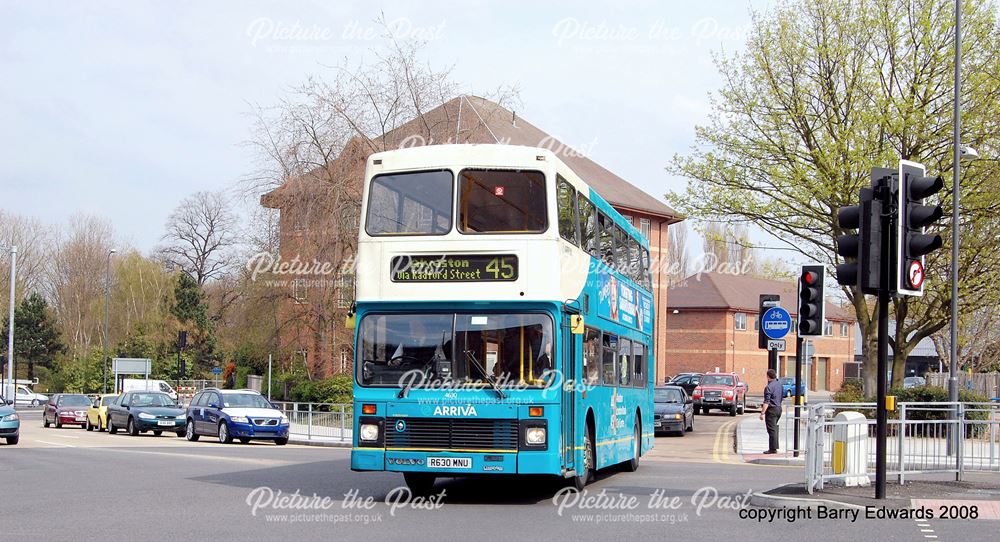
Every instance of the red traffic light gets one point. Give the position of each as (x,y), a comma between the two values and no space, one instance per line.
(810,277)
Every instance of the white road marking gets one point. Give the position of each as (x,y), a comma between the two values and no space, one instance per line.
(58,444)
(66,436)
(198,456)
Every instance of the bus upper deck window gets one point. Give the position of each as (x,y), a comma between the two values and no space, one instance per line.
(501,201)
(412,203)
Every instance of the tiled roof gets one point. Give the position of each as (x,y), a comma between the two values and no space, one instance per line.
(740,292)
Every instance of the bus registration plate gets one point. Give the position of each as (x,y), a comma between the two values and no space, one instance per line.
(450,462)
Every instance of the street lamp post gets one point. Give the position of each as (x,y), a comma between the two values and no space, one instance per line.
(11,391)
(107,314)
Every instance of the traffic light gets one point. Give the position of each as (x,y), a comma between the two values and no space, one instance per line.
(863,247)
(912,244)
(182,340)
(811,300)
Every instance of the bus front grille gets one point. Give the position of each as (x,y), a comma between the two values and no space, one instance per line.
(451,434)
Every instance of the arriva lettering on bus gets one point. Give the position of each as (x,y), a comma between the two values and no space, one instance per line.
(467,410)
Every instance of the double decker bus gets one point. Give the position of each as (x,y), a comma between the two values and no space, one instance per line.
(503,320)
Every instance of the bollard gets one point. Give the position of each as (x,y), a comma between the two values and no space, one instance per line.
(850,449)
(309,428)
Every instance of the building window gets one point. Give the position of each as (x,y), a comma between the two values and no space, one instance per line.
(827,328)
(756,323)
(300,291)
(843,329)
(345,290)
(740,319)
(345,359)
(644,227)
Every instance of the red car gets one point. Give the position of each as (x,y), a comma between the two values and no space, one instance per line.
(66,409)
(722,391)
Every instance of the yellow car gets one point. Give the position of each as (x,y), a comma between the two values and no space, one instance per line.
(97,414)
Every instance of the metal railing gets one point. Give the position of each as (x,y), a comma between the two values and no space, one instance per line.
(319,421)
(917,440)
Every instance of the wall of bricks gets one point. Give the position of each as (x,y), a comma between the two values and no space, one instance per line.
(701,340)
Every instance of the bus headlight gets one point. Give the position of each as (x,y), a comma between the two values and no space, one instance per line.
(369,432)
(534,436)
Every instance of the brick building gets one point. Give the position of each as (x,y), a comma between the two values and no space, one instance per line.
(711,322)
(313,332)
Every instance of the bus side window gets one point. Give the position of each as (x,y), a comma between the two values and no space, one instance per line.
(610,343)
(588,225)
(634,262)
(607,234)
(591,356)
(638,365)
(621,251)
(566,201)
(645,269)
(624,362)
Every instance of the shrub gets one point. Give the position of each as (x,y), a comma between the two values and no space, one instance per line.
(338,389)
(852,391)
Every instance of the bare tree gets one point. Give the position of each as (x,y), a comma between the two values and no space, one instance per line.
(312,148)
(77,277)
(33,240)
(678,259)
(200,236)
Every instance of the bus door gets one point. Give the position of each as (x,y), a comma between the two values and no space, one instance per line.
(568,394)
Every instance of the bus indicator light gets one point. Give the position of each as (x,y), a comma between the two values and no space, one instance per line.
(536,411)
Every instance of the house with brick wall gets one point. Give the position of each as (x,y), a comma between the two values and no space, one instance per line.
(712,323)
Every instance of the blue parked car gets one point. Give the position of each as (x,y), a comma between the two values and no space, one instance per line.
(788,386)
(241,414)
(10,422)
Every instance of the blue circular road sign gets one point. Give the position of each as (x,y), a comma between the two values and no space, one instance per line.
(776,323)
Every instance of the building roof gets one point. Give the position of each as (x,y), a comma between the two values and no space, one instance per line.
(725,291)
(471,119)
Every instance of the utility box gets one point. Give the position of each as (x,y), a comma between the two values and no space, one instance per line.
(850,449)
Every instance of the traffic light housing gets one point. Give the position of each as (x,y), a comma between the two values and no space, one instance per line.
(811,310)
(912,243)
(861,250)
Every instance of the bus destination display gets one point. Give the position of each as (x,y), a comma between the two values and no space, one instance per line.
(454,268)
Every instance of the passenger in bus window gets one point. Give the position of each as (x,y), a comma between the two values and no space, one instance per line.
(541,350)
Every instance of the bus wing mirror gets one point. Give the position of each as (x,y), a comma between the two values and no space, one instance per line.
(576,324)
(350,320)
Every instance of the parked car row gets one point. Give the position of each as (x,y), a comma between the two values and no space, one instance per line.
(708,391)
(243,415)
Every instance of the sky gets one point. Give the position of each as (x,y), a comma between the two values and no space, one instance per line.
(122,109)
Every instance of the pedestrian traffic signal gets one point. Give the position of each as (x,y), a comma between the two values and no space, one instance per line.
(912,243)
(861,251)
(811,300)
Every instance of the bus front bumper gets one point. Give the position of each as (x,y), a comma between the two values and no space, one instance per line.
(452,462)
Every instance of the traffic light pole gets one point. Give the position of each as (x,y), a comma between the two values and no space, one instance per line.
(797,391)
(884,194)
(772,359)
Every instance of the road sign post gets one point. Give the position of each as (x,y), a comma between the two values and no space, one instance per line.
(775,323)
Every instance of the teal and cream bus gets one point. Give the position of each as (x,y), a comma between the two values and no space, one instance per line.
(504,319)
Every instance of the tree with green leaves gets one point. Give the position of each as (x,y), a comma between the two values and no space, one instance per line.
(824,91)
(36,335)
(191,310)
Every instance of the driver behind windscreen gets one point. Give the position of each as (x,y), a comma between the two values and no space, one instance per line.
(417,345)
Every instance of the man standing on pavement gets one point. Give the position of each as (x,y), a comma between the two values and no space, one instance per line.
(771,410)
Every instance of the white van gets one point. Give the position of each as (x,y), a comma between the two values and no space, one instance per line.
(139,384)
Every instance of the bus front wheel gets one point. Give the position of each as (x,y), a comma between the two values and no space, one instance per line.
(420,483)
(589,460)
